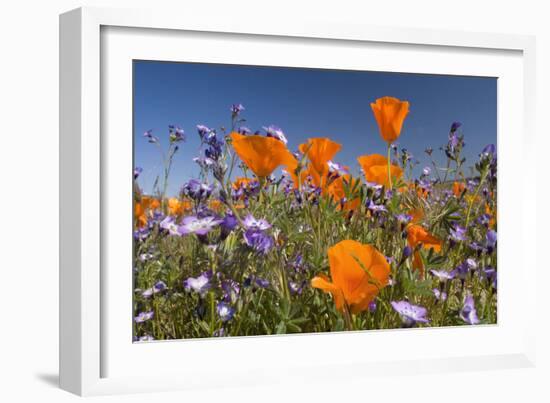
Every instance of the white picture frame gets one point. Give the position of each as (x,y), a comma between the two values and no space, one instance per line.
(86,343)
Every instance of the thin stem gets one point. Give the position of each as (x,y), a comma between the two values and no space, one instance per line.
(389,165)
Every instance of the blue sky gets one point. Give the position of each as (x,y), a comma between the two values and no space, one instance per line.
(304,103)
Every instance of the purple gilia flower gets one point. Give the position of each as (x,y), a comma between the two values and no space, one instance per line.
(407,251)
(258,240)
(275,132)
(458,233)
(225,312)
(236,109)
(158,287)
(200,284)
(491,239)
(149,136)
(197,190)
(204,162)
(229,223)
(176,134)
(231,290)
(199,226)
(455,126)
(145,256)
(203,131)
(443,275)
(137,172)
(468,312)
(490,274)
(403,218)
(296,288)
(439,295)
(244,130)
(410,314)
(372,306)
(426,171)
(489,152)
(376,208)
(169,224)
(144,316)
(262,283)
(251,223)
(336,168)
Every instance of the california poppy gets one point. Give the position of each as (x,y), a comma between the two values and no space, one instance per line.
(319,151)
(458,188)
(139,215)
(178,207)
(337,191)
(261,154)
(375,168)
(358,273)
(416,235)
(390,113)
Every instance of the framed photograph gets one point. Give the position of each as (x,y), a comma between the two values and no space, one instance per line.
(280,197)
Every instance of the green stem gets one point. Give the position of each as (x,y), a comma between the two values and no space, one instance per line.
(389,165)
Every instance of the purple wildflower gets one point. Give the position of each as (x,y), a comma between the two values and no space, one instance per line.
(443,275)
(455,126)
(236,109)
(137,172)
(144,316)
(258,240)
(225,312)
(200,284)
(337,169)
(251,223)
(203,131)
(176,134)
(169,224)
(199,226)
(158,287)
(410,314)
(468,312)
(197,190)
(458,233)
(149,136)
(491,240)
(275,132)
(439,295)
(262,283)
(244,130)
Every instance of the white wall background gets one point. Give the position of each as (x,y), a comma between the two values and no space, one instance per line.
(29,201)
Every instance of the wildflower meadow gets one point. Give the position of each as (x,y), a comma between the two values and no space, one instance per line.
(267,239)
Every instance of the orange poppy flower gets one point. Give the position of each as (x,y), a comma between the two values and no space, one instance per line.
(319,151)
(358,273)
(336,189)
(149,202)
(375,168)
(216,205)
(139,215)
(492,214)
(261,154)
(416,234)
(458,188)
(178,207)
(390,113)
(417,215)
(309,173)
